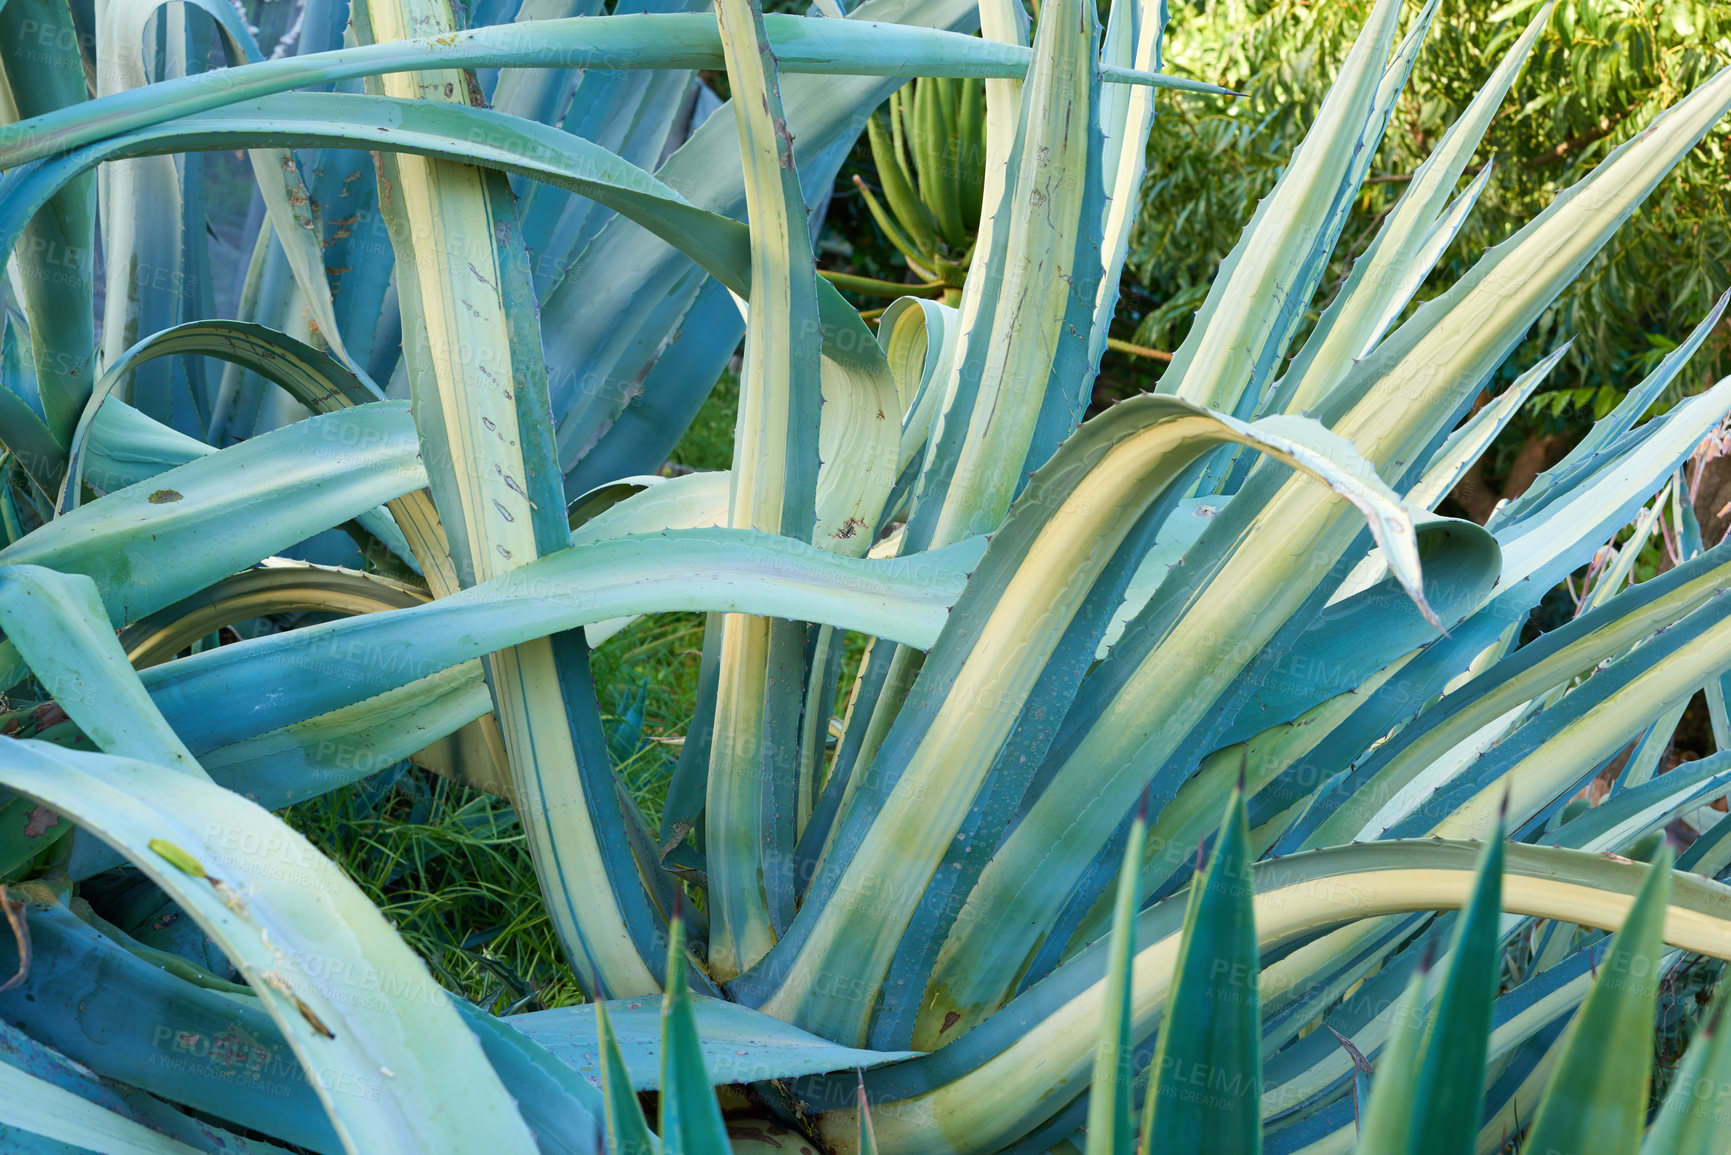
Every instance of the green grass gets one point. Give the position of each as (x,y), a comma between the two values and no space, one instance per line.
(448,865)
(708,444)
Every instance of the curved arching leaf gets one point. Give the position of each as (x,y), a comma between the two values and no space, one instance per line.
(636,40)
(313,378)
(1082,506)
(395,1067)
(151,544)
(276,586)
(325,667)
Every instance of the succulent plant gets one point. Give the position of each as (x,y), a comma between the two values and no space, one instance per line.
(1443,1041)
(1231,588)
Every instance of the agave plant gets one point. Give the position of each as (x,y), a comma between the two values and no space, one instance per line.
(1423,1092)
(1236,577)
(930,161)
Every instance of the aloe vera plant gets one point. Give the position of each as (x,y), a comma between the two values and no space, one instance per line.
(1234,587)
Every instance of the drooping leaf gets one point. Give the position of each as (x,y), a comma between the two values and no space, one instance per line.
(149,545)
(58,624)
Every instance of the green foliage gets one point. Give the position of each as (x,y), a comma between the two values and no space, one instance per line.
(1597,74)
